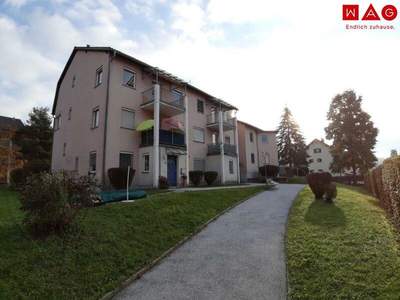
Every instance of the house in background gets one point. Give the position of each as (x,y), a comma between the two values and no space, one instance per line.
(112,110)
(320,157)
(257,148)
(8,151)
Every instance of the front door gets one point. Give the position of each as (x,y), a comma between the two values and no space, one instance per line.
(171,169)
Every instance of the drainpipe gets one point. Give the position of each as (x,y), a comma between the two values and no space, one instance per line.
(221,144)
(156,137)
(103,175)
(187,137)
(237,149)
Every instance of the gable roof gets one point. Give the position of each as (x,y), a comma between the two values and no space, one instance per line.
(256,128)
(7,123)
(165,75)
(318,141)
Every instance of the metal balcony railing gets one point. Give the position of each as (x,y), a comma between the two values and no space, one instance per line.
(172,97)
(215,149)
(213,118)
(167,137)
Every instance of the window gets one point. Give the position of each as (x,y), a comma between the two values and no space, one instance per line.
(253,160)
(146,160)
(214,138)
(200,106)
(125,160)
(70,113)
(199,164)
(127,119)
(95,117)
(319,160)
(264,139)
(198,135)
(251,137)
(227,140)
(231,167)
(92,162)
(73,81)
(129,78)
(57,122)
(317,150)
(76,168)
(177,97)
(64,149)
(311,161)
(99,76)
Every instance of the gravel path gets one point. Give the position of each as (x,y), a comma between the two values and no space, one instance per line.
(238,256)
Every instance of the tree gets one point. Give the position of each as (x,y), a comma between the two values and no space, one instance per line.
(291,145)
(35,140)
(353,134)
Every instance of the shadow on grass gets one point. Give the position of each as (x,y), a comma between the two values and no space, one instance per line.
(325,214)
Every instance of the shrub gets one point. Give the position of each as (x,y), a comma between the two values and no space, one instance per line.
(195,177)
(18,178)
(163,183)
(318,183)
(330,191)
(52,201)
(118,177)
(37,166)
(297,180)
(272,171)
(210,177)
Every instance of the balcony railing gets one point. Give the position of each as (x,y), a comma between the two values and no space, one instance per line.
(213,118)
(167,137)
(215,149)
(171,97)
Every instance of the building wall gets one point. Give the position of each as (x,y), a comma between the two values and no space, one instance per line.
(77,133)
(325,156)
(270,147)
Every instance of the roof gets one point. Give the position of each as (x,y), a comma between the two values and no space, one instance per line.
(318,141)
(165,75)
(7,122)
(256,128)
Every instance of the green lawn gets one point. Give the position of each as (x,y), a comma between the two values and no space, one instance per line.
(343,251)
(115,241)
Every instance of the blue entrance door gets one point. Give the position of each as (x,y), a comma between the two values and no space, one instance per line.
(172,180)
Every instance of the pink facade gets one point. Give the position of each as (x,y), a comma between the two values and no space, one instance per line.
(97,121)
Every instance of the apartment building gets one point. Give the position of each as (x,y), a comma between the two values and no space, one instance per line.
(112,110)
(320,157)
(257,148)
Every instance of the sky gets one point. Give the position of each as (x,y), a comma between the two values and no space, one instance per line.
(259,55)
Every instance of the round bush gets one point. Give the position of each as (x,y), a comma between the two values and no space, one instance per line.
(210,177)
(195,177)
(318,183)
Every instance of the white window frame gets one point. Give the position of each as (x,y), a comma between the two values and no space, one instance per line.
(194,136)
(134,116)
(146,155)
(99,77)
(95,117)
(134,78)
(95,162)
(264,139)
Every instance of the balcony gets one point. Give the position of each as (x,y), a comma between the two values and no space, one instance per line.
(167,137)
(215,149)
(213,121)
(171,101)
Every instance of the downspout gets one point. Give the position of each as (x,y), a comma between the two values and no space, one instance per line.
(103,175)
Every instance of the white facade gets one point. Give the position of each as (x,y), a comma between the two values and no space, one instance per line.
(320,157)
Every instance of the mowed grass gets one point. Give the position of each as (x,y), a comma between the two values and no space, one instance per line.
(347,250)
(113,242)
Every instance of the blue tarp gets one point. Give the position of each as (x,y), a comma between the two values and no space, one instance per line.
(120,195)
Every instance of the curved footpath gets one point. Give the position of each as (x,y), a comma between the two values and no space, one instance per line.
(238,256)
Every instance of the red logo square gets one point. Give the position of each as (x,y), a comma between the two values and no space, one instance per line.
(350,12)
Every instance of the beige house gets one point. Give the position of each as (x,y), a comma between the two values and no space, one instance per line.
(257,148)
(320,157)
(104,97)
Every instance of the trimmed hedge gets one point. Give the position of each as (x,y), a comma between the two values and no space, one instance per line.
(319,183)
(384,183)
(195,177)
(272,171)
(118,177)
(210,177)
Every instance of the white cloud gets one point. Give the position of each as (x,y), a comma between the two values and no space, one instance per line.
(16,3)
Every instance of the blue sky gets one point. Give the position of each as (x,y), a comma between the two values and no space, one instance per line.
(257,54)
